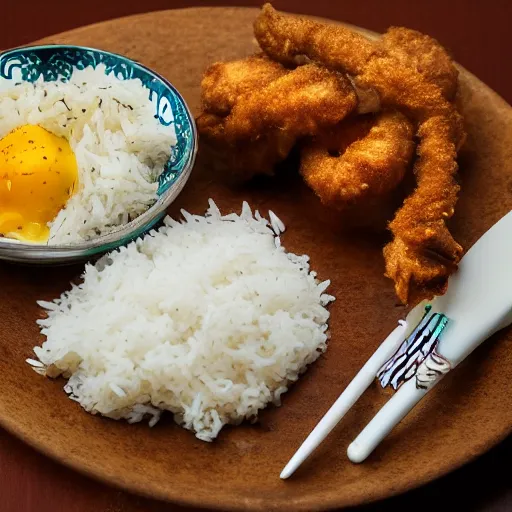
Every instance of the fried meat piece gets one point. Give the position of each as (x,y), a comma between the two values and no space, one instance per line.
(283,38)
(300,103)
(342,171)
(286,37)
(224,82)
(244,158)
(262,127)
(414,49)
(423,253)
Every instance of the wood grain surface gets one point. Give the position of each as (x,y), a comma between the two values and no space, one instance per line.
(476,35)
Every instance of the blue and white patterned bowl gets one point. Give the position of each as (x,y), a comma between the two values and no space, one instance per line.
(58,62)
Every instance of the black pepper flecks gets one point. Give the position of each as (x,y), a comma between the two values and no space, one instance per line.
(65,104)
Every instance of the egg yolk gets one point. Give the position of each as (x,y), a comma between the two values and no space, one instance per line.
(38,174)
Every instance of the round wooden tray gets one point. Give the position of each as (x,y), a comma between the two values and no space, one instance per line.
(466,414)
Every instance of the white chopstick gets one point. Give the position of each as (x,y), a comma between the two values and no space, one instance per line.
(391,413)
(347,399)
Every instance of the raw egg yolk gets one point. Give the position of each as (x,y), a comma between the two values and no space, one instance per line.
(38,174)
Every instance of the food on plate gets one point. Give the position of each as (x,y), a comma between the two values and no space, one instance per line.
(244,158)
(414,74)
(316,98)
(286,38)
(113,150)
(38,176)
(413,49)
(342,173)
(208,318)
(423,251)
(293,105)
(224,82)
(408,81)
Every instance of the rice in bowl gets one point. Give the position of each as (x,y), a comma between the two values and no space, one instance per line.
(210,319)
(119,145)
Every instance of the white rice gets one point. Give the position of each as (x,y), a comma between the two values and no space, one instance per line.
(119,145)
(209,318)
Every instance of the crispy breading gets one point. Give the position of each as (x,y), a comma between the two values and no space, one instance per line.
(284,37)
(211,127)
(404,88)
(244,158)
(262,127)
(343,172)
(224,82)
(403,80)
(414,49)
(300,103)
(423,251)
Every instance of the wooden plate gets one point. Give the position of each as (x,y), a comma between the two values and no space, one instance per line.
(466,414)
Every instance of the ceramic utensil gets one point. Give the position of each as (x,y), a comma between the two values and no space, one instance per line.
(434,339)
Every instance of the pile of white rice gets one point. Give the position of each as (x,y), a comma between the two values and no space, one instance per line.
(119,145)
(209,318)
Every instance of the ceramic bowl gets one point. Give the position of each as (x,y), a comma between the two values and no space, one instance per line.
(58,62)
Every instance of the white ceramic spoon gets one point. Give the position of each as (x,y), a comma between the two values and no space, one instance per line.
(477,304)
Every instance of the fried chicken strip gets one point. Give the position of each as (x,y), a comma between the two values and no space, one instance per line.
(423,253)
(405,89)
(404,79)
(299,103)
(286,37)
(283,38)
(374,164)
(224,82)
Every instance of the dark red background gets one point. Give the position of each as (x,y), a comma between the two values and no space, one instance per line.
(475,31)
